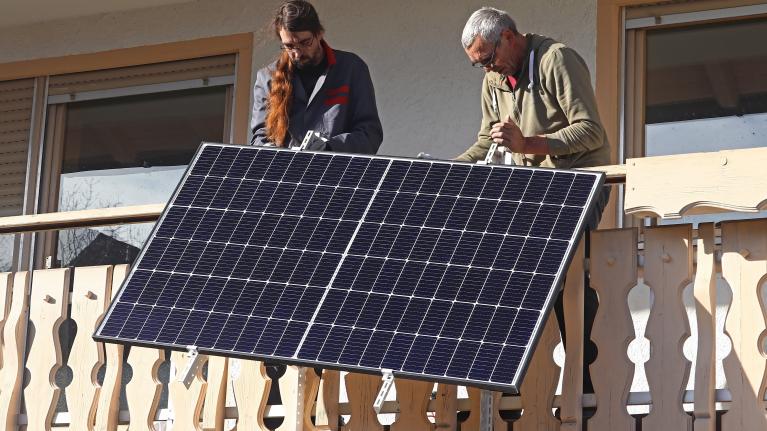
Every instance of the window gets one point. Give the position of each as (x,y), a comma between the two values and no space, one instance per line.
(110,142)
(695,81)
(129,151)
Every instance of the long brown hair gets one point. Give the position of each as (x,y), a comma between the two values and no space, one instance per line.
(292,16)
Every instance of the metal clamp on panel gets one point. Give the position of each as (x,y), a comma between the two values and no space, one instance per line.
(388,380)
(193,364)
(490,156)
(310,137)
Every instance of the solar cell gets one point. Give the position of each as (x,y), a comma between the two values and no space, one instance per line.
(436,270)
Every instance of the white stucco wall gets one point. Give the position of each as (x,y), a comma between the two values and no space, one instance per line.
(428,96)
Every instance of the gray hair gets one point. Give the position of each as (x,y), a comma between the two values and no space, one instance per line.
(487,23)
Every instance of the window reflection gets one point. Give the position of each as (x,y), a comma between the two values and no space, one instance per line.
(706,88)
(6,253)
(129,151)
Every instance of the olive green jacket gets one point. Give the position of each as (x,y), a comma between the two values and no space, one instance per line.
(560,105)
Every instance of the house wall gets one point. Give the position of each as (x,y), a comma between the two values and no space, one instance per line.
(428,96)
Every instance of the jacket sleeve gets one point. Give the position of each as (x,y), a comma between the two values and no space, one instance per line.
(478,150)
(366,133)
(258,115)
(567,77)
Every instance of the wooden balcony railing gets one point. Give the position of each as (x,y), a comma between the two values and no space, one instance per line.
(675,268)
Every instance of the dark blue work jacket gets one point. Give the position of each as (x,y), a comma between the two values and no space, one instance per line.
(341,107)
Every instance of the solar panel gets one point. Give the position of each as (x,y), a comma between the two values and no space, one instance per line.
(436,270)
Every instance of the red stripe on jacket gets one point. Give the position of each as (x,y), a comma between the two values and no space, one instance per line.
(335,91)
(339,100)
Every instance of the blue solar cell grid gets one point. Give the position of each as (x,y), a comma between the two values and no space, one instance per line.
(437,270)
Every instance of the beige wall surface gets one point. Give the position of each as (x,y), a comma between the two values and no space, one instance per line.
(428,95)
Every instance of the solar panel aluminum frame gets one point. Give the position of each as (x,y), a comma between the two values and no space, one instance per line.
(526,357)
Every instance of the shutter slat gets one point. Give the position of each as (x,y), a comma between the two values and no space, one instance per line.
(11,105)
(15,115)
(13,136)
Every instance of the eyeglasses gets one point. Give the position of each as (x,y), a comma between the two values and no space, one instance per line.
(489,62)
(301,45)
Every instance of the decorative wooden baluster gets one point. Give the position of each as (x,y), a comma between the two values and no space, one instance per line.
(326,416)
(744,265)
(6,293)
(667,270)
(705,312)
(215,398)
(251,390)
(571,409)
(446,407)
(474,421)
(413,399)
(613,272)
(47,310)
(540,383)
(14,338)
(298,389)
(362,390)
(143,390)
(186,403)
(108,410)
(90,297)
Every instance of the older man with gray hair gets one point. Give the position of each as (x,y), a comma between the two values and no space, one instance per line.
(537,100)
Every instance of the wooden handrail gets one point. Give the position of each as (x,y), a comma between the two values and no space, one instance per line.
(147,213)
(81,218)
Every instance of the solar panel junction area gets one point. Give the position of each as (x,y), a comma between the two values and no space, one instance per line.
(436,270)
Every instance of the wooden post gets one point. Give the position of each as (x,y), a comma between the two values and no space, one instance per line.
(251,389)
(362,390)
(571,410)
(326,415)
(108,410)
(705,312)
(446,410)
(667,270)
(47,310)
(14,337)
(413,399)
(143,390)
(613,269)
(90,297)
(215,398)
(540,383)
(744,265)
(186,403)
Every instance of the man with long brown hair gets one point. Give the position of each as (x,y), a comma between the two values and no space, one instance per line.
(313,87)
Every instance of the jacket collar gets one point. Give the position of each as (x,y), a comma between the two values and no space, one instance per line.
(329,53)
(497,80)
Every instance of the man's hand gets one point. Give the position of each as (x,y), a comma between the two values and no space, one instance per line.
(508,134)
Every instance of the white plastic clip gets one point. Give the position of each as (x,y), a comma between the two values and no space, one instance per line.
(388,380)
(193,364)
